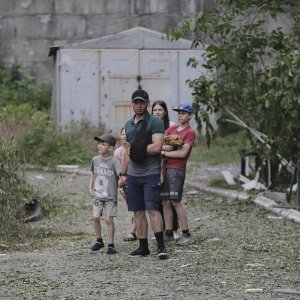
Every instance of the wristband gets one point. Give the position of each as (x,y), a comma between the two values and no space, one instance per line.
(163,153)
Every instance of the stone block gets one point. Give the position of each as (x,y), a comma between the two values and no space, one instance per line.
(7,8)
(26,7)
(69,27)
(27,51)
(105,25)
(104,7)
(162,22)
(146,7)
(7,28)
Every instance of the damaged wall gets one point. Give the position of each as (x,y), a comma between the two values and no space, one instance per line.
(29,27)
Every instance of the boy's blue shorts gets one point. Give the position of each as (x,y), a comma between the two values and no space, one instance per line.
(143,192)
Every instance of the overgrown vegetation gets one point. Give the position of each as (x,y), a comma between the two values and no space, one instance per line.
(14,191)
(28,137)
(25,111)
(224,150)
(18,87)
(252,72)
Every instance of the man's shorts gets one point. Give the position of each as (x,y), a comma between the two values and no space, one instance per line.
(105,208)
(172,186)
(143,192)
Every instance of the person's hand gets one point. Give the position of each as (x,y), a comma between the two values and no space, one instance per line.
(122,181)
(121,191)
(168,148)
(128,149)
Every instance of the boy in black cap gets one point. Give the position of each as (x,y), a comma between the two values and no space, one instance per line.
(104,190)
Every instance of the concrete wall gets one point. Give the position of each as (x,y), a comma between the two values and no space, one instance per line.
(29,27)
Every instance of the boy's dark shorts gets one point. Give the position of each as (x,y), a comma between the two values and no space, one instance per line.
(172,186)
(143,192)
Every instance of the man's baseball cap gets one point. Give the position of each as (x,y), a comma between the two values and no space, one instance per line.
(140,95)
(106,138)
(185,107)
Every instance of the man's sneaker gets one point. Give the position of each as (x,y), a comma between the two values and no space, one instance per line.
(97,246)
(162,253)
(184,240)
(139,252)
(111,250)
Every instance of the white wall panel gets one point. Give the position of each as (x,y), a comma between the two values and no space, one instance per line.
(79,86)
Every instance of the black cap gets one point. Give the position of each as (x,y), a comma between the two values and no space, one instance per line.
(141,95)
(106,138)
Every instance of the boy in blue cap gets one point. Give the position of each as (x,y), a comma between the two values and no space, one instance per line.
(174,173)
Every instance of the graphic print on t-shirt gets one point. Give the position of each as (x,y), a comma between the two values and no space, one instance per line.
(101,186)
(105,180)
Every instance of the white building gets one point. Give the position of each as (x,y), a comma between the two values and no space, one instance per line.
(94,79)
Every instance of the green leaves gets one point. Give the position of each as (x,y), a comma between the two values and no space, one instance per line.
(18,87)
(251,71)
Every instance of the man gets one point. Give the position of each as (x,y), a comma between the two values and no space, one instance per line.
(143,179)
(174,173)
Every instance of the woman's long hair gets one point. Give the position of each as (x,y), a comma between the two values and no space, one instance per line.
(164,106)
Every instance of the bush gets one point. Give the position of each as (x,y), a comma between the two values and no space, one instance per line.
(40,144)
(17,87)
(14,191)
(51,148)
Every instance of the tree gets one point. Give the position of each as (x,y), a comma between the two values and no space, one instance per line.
(252,72)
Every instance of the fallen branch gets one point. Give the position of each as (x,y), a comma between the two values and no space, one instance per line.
(261,137)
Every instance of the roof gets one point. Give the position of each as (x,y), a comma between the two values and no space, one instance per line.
(134,38)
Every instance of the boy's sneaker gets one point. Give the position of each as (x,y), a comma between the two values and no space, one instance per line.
(168,239)
(111,250)
(176,236)
(139,252)
(97,246)
(162,253)
(184,240)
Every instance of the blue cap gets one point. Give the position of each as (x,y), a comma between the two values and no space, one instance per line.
(185,107)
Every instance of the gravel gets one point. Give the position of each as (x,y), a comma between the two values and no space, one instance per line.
(239,251)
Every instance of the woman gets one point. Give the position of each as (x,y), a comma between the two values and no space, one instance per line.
(160,109)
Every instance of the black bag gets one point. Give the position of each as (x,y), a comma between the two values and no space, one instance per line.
(138,148)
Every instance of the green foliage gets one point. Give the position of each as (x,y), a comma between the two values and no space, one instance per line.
(14,191)
(42,145)
(251,71)
(223,150)
(17,87)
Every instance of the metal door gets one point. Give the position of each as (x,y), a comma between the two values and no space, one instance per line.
(119,70)
(159,73)
(123,71)
(79,86)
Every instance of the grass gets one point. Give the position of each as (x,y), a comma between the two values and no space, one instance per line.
(223,150)
(221,183)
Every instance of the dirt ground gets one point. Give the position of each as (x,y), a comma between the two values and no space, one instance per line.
(239,251)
